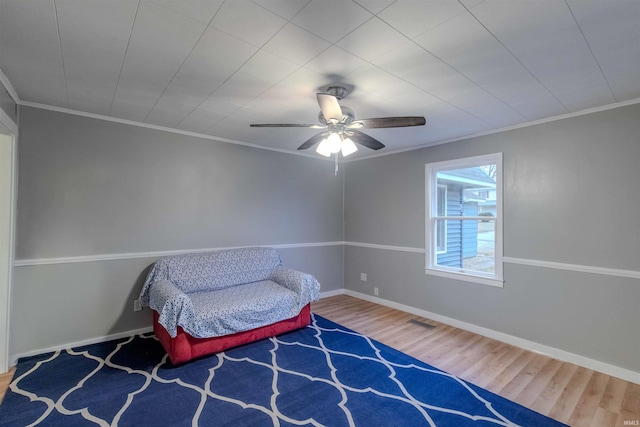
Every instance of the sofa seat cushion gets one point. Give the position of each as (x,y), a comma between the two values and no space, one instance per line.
(239,308)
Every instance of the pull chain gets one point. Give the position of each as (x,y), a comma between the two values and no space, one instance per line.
(336,171)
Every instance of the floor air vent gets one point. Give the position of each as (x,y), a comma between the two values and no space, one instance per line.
(421,323)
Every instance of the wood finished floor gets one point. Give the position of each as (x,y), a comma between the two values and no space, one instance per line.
(568,393)
(574,395)
(5,380)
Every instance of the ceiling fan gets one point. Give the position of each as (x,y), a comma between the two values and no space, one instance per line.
(341,127)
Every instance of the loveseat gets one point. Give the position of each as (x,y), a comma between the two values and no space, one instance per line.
(209,301)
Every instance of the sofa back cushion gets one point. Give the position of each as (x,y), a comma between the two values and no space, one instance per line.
(217,270)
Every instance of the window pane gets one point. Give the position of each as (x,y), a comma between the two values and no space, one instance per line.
(469,191)
(470,245)
(442,200)
(464,208)
(441,235)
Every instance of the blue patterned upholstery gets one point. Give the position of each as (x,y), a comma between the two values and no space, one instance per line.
(219,293)
(206,271)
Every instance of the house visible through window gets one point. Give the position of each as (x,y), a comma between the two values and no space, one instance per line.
(464,224)
(441,236)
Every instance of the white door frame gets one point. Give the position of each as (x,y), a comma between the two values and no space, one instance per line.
(8,135)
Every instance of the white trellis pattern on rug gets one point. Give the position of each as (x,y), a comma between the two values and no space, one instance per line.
(322,375)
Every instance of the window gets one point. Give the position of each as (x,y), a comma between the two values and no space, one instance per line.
(441,231)
(464,219)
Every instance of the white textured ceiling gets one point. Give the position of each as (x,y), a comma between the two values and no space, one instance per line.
(214,67)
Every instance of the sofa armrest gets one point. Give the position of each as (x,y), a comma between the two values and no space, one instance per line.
(170,303)
(304,285)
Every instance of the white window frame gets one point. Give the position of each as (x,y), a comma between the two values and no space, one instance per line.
(431,196)
(443,248)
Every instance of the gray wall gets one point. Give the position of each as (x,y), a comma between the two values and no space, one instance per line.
(7,104)
(93,187)
(570,196)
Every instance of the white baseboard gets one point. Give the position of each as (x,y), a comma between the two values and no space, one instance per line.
(13,359)
(333,293)
(556,353)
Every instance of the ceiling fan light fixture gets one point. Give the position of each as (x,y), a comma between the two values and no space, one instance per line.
(348,147)
(334,142)
(324,148)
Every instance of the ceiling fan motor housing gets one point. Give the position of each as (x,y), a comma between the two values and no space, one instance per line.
(338,91)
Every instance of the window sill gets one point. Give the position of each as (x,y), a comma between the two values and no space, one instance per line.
(459,275)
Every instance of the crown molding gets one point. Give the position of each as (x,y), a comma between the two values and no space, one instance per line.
(9,87)
(5,81)
(8,122)
(163,128)
(503,129)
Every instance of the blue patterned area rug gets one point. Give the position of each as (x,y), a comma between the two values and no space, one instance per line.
(324,374)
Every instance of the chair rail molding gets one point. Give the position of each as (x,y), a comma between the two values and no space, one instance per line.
(155,254)
(632,274)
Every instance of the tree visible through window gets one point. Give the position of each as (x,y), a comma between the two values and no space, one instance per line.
(464,238)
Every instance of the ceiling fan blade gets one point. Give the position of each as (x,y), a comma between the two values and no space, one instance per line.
(312,141)
(286,125)
(329,106)
(366,140)
(390,122)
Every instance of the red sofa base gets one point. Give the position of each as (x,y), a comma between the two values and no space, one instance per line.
(184,347)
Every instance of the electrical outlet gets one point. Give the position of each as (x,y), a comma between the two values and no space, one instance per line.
(363,277)
(376,291)
(136,305)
